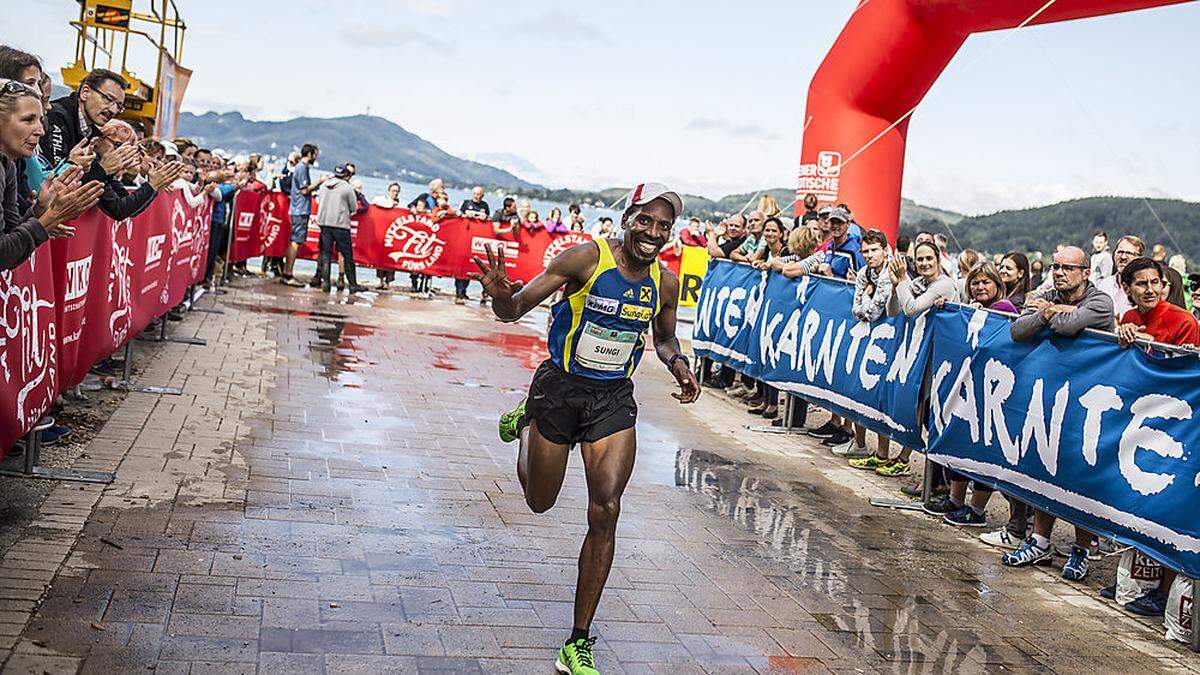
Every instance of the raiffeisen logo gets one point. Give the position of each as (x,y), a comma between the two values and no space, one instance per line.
(412,242)
(79,273)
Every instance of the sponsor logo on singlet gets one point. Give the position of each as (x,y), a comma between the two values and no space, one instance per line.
(637,312)
(603,305)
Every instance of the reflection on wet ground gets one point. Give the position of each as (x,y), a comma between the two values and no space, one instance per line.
(530,350)
(855,572)
(335,346)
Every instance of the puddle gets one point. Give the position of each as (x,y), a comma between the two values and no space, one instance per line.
(530,350)
(846,568)
(270,309)
(335,346)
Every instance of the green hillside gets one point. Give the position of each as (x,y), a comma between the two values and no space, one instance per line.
(1075,221)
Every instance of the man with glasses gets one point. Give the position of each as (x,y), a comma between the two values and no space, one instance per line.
(73,118)
(1128,248)
(1074,304)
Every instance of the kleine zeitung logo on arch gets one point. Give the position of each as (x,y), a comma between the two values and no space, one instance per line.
(822,177)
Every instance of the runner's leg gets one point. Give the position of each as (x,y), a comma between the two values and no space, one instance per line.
(608,463)
(541,467)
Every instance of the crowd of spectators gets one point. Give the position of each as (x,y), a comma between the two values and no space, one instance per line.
(60,158)
(1142,299)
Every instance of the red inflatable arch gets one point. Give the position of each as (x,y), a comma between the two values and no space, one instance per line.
(885,59)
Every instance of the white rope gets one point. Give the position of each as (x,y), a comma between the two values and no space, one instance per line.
(1097,132)
(619,200)
(747,204)
(1008,36)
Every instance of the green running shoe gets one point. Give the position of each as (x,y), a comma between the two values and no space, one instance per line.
(510,423)
(575,658)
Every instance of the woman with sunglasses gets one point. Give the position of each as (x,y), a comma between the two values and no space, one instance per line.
(25,226)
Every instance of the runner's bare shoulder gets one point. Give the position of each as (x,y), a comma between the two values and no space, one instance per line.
(578,262)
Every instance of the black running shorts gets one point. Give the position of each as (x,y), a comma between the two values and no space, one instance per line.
(571,409)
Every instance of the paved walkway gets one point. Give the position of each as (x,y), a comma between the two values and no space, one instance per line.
(329,496)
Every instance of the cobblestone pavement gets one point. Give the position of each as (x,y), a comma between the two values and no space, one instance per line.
(329,495)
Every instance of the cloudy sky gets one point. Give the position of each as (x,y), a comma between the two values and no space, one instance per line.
(707,96)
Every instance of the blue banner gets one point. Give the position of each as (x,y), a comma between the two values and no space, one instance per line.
(1101,436)
(799,336)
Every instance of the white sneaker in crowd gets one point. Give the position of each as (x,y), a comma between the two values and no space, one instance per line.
(1001,538)
(850,450)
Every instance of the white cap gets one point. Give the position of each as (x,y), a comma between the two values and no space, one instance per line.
(644,193)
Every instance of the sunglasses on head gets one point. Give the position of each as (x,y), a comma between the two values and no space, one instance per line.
(17,88)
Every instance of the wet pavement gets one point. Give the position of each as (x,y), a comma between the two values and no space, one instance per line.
(329,495)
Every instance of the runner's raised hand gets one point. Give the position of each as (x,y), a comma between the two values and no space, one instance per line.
(493,276)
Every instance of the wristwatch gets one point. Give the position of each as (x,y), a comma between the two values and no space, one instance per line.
(671,361)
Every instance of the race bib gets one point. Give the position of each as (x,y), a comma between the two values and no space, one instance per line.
(604,349)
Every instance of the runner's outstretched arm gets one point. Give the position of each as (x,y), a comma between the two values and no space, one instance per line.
(512,299)
(667,345)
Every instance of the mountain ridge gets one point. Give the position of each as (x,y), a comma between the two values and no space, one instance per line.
(382,148)
(377,146)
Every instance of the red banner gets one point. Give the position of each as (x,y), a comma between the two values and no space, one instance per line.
(396,239)
(80,299)
(247,242)
(28,346)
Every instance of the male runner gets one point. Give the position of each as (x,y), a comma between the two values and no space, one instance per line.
(615,290)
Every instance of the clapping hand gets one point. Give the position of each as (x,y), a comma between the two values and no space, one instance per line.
(63,197)
(898,270)
(163,174)
(83,154)
(121,159)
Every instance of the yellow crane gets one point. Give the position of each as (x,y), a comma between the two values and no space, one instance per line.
(112,34)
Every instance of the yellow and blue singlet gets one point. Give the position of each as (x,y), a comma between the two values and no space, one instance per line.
(598,331)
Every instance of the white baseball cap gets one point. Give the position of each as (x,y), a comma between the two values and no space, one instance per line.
(644,193)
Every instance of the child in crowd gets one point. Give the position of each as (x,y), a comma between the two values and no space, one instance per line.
(986,290)
(872,290)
